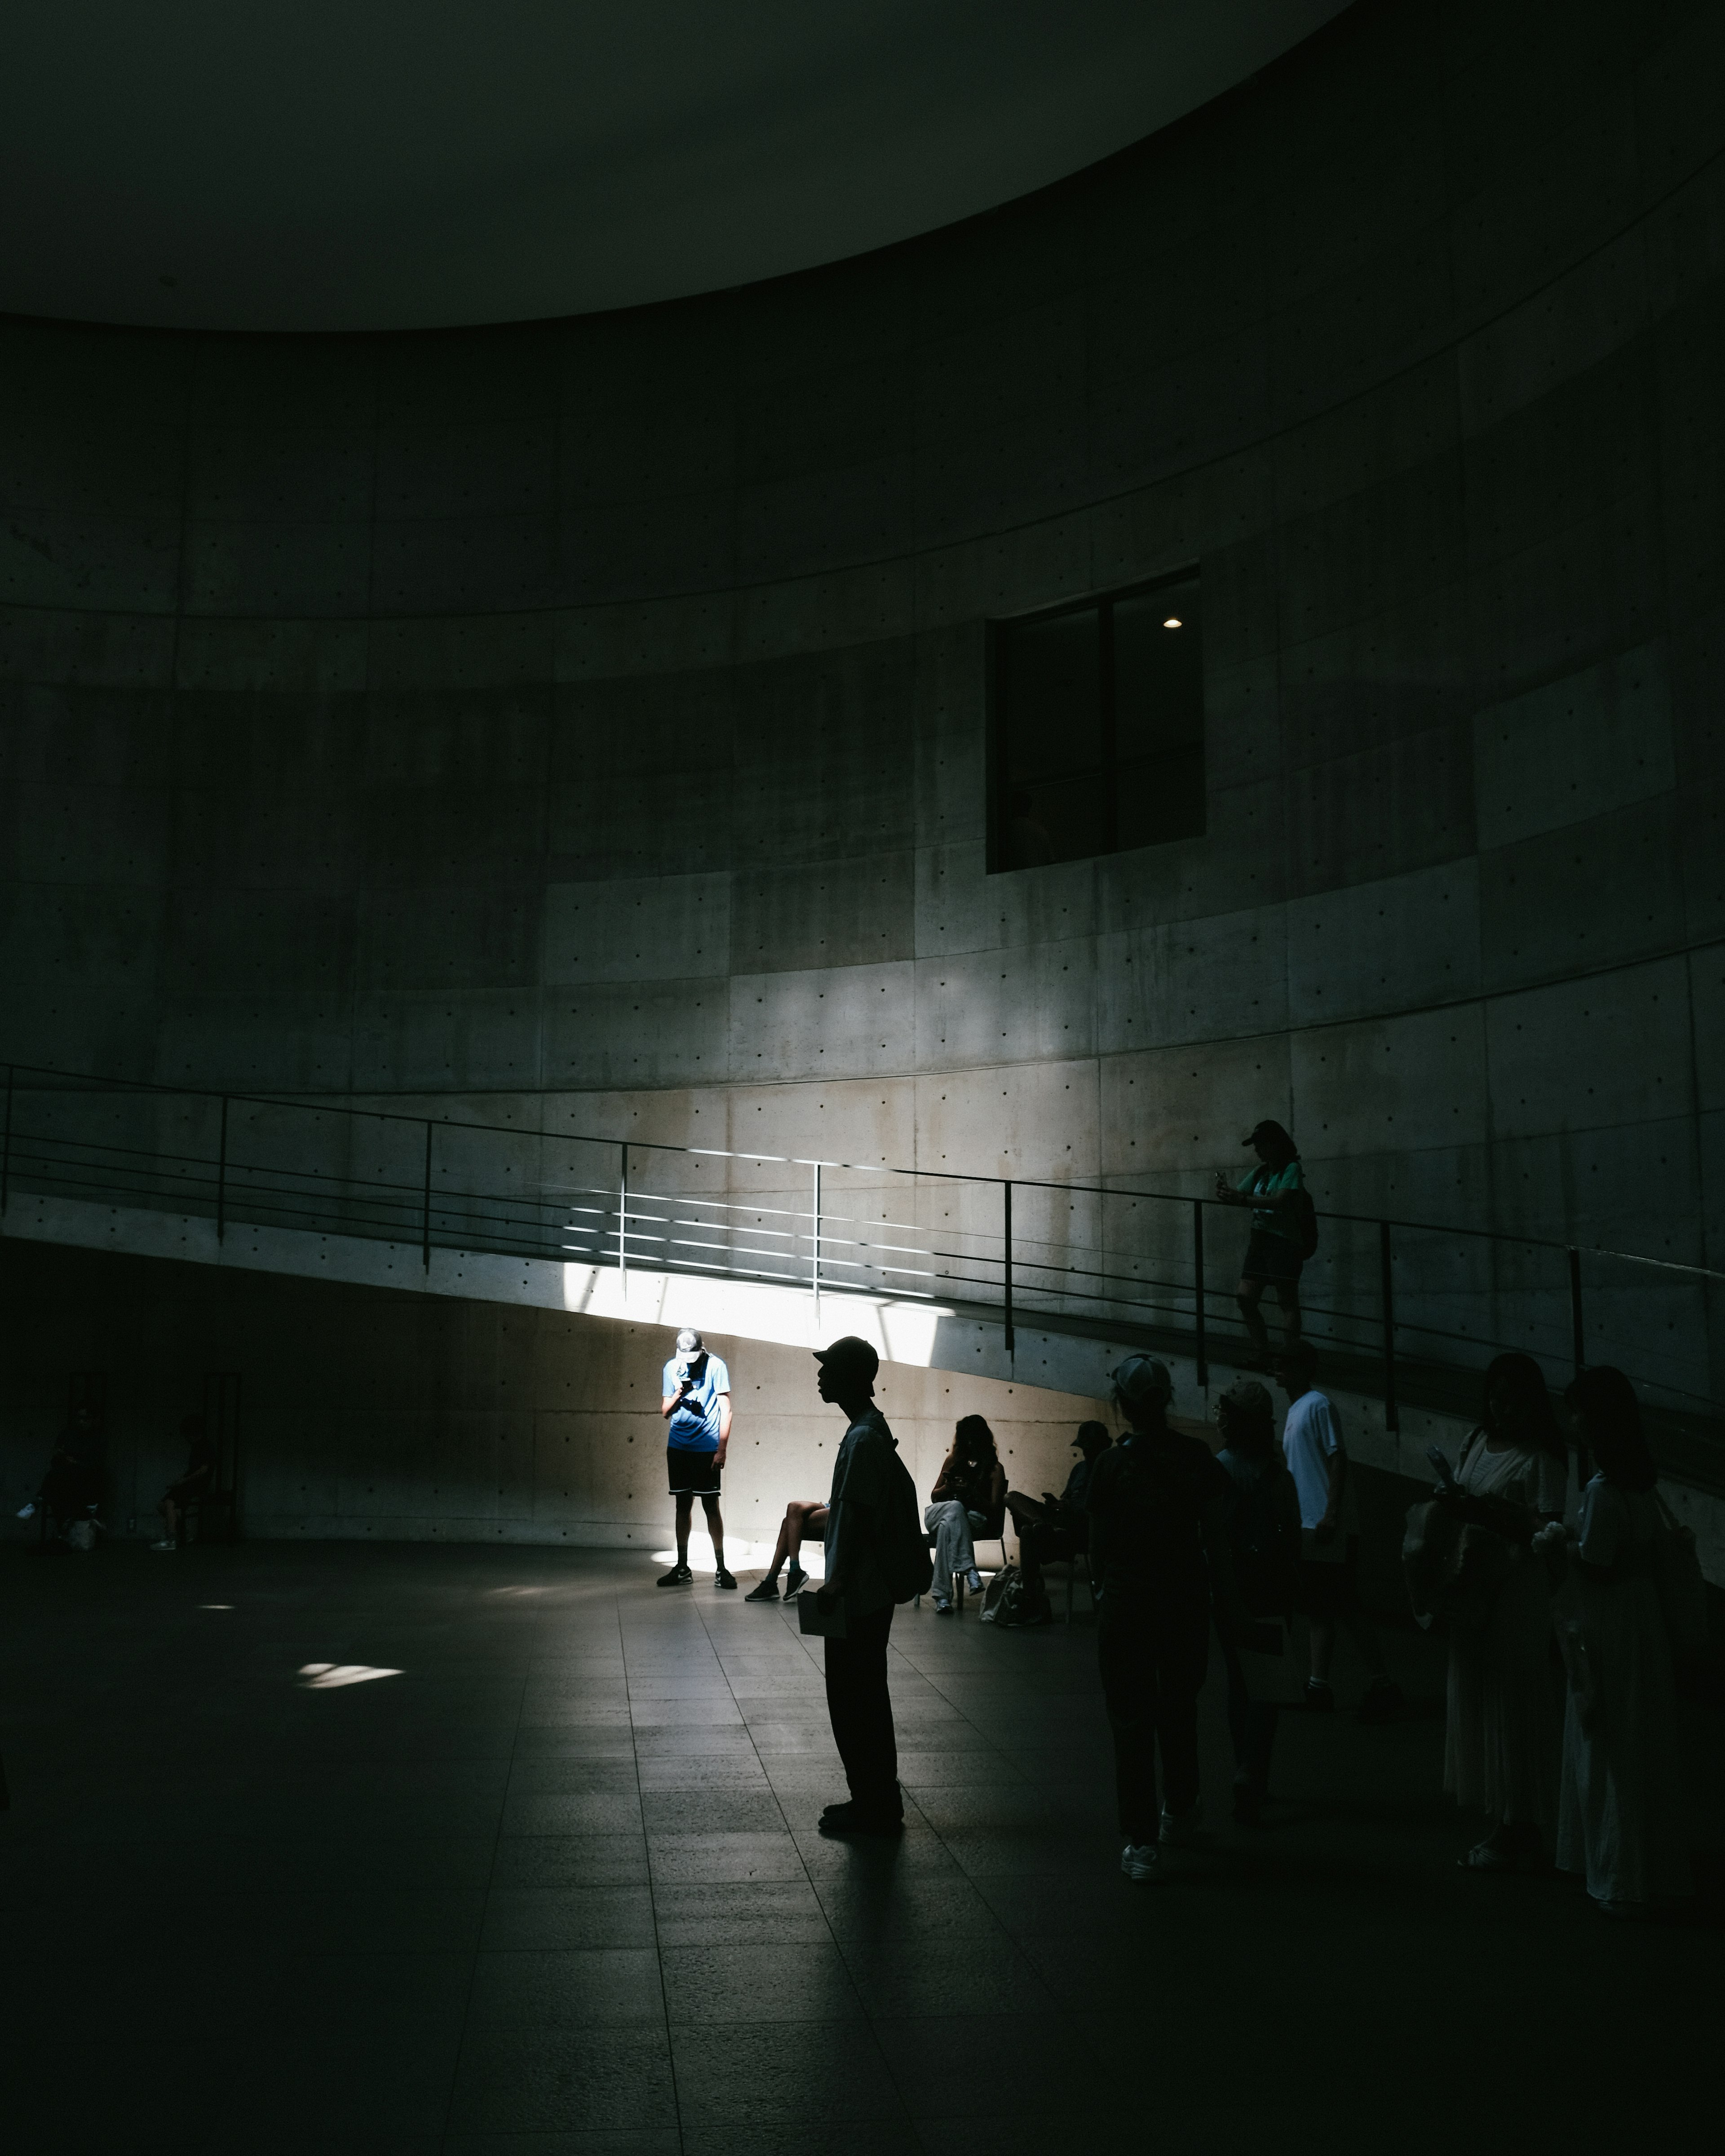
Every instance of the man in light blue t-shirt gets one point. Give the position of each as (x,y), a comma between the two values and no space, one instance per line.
(697,1405)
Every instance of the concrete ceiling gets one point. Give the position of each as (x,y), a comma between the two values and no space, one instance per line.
(392,164)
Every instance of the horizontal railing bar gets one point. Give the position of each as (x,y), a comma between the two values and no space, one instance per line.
(83,1083)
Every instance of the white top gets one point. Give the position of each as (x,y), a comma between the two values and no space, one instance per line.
(1543,1477)
(1310,1439)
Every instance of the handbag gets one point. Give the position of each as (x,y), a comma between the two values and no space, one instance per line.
(1677,1576)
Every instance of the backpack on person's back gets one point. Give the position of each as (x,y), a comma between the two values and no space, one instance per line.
(905,1553)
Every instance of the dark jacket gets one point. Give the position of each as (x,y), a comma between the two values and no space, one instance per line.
(875,1544)
(1263,1531)
(1158,1510)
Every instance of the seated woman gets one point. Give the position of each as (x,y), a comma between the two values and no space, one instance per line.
(968,1499)
(805,1520)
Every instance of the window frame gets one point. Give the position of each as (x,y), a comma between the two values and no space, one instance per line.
(999,628)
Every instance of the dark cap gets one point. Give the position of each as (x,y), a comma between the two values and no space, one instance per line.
(1272,1132)
(851,1354)
(1247,1397)
(1092,1437)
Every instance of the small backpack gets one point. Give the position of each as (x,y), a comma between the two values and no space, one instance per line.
(1305,1214)
(1010,1600)
(908,1563)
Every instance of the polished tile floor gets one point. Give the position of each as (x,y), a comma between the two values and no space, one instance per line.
(432,1852)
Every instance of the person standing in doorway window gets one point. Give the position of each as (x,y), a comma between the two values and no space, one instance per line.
(1275,1192)
(697,1406)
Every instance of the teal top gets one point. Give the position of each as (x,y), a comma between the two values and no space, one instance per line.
(1261,1183)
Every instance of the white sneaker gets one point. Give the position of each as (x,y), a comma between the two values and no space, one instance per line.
(1138,1859)
(1177,1827)
(164,1546)
(28,1512)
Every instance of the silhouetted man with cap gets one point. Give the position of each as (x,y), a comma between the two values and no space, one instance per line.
(870,1488)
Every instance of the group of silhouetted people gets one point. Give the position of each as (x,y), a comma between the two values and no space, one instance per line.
(1187,1548)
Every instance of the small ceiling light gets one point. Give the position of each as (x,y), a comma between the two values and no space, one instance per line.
(1173,621)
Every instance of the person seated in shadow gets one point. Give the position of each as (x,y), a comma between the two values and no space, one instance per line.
(805,1520)
(968,1499)
(194,1478)
(1058,1527)
(71,1492)
(1263,1540)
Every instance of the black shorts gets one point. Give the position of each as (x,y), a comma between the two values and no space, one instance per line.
(182,1493)
(1332,1589)
(691,1474)
(1272,1257)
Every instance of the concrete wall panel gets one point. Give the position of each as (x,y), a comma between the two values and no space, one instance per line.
(602,705)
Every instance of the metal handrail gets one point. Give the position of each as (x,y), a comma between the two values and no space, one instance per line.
(1015,1271)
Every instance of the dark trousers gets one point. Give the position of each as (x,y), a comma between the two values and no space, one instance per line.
(1039,1545)
(1152,1665)
(1251,1723)
(861,1710)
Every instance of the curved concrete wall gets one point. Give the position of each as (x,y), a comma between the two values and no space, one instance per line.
(596,709)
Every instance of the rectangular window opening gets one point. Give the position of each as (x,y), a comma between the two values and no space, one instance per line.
(1095,712)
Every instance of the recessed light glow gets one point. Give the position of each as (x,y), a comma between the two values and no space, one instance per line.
(1173,621)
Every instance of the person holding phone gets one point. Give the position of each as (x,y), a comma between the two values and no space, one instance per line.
(697,1405)
(1275,1192)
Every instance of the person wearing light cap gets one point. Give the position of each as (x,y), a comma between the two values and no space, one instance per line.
(696,1404)
(1158,1511)
(871,1521)
(1275,1191)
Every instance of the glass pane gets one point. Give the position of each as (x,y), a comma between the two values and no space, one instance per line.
(1053,820)
(1048,687)
(1158,672)
(1161,797)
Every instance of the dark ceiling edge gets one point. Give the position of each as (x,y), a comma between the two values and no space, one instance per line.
(1307,53)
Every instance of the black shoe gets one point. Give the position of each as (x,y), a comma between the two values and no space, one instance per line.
(1248,1802)
(853,1818)
(768,1591)
(793,1580)
(723,1578)
(1319,1698)
(1383,1702)
(679,1576)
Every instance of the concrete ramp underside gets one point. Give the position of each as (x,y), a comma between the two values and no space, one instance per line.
(920,1334)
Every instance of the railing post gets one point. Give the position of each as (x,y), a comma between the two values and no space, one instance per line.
(815,1265)
(1391,1418)
(1578,1337)
(623,1227)
(1199,1342)
(425,1215)
(5,1147)
(1006,1244)
(1577,1340)
(221,1178)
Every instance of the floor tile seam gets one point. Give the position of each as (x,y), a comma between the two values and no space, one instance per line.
(448,2126)
(670,2056)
